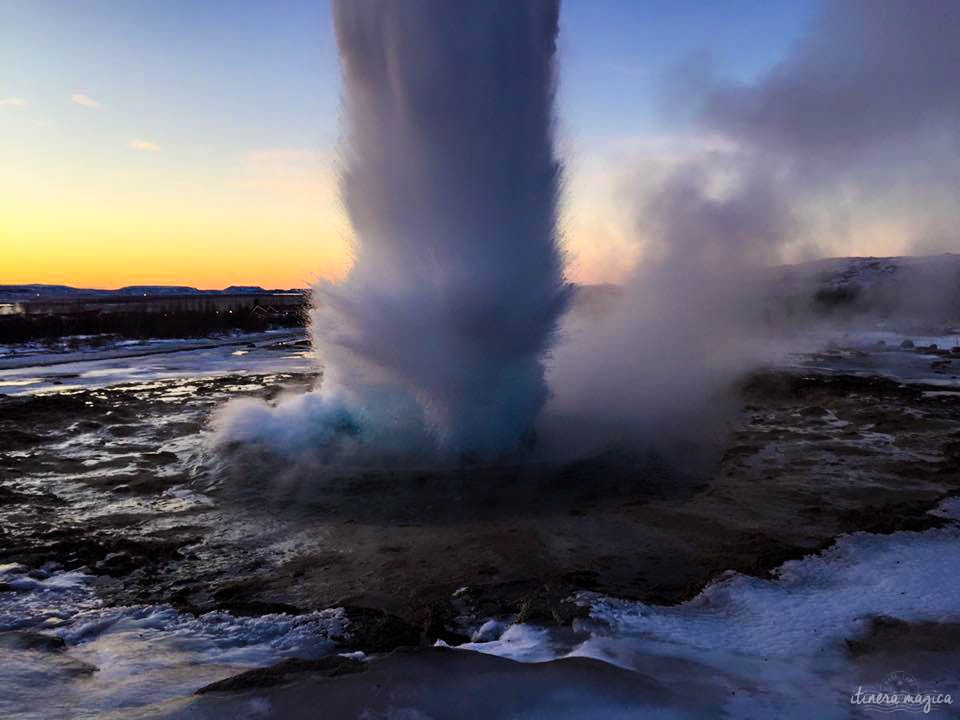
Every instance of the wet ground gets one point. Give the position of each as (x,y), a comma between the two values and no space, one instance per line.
(138,551)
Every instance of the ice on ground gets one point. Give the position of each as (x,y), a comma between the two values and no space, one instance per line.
(135,655)
(39,374)
(813,605)
(892,338)
(780,644)
(69,347)
(521,642)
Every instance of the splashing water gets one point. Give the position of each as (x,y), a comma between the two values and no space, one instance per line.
(451,182)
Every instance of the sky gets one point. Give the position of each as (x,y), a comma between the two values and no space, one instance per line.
(194,143)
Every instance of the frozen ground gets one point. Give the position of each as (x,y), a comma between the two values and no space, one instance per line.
(781,646)
(817,554)
(36,370)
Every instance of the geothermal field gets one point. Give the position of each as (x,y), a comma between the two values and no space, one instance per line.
(811,548)
(466,486)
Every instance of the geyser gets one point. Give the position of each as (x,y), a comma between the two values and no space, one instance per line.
(450,180)
(433,346)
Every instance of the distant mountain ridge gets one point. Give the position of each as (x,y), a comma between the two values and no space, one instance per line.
(924,285)
(911,285)
(918,285)
(37,291)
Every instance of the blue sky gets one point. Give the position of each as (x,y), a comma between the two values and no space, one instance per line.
(86,84)
(259,72)
(617,54)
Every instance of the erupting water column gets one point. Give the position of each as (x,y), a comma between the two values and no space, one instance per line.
(451,182)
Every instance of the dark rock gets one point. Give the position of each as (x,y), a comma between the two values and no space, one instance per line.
(586,579)
(236,598)
(550,604)
(894,516)
(255,608)
(887,634)
(906,344)
(374,630)
(117,564)
(330,666)
(162,457)
(13,497)
(23,640)
(74,547)
(754,553)
(439,622)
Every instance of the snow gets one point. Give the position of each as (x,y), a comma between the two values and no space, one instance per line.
(778,644)
(142,654)
(272,352)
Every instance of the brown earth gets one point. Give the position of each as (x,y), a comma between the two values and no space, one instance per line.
(416,556)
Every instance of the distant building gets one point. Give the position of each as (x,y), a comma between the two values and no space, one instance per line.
(269,303)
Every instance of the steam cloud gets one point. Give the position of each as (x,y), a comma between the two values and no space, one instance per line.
(861,118)
(861,122)
(651,371)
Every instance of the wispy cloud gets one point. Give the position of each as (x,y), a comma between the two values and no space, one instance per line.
(85,100)
(13,102)
(143,145)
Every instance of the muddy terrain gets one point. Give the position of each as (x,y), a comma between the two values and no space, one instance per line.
(122,483)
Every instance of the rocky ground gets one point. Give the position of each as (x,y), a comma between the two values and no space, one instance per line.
(119,481)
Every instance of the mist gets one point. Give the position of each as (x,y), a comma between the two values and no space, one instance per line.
(861,122)
(858,126)
(653,370)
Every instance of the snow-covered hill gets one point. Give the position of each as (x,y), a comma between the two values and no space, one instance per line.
(927,286)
